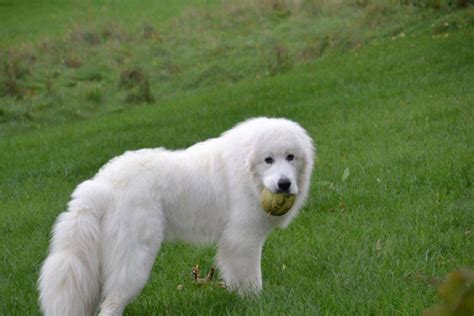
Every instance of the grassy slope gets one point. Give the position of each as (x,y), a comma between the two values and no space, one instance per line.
(51,18)
(397,114)
(80,74)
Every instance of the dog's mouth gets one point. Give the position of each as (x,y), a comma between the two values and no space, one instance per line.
(278,191)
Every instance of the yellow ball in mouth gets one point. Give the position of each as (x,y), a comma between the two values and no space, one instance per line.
(276,204)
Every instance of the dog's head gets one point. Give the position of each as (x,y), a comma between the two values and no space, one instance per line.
(279,167)
(280,157)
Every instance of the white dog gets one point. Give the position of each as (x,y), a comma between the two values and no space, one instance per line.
(104,246)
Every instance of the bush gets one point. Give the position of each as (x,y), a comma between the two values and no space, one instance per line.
(136,81)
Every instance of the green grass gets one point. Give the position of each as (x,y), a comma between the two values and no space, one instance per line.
(391,203)
(77,74)
(22,21)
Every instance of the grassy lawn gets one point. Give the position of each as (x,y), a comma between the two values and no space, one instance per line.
(391,204)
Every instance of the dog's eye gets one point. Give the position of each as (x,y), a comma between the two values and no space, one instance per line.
(290,157)
(269,160)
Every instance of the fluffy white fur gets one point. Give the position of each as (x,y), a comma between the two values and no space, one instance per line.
(104,246)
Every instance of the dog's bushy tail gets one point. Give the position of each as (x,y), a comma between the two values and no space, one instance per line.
(69,281)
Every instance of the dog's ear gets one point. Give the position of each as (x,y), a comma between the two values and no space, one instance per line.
(250,162)
(309,152)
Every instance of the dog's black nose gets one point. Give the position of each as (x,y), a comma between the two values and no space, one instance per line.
(284,184)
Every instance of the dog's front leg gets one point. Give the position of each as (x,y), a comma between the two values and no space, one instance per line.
(238,258)
(240,268)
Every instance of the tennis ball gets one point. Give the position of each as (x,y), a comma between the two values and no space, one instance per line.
(276,204)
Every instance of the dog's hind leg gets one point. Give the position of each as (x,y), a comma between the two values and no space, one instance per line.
(130,249)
